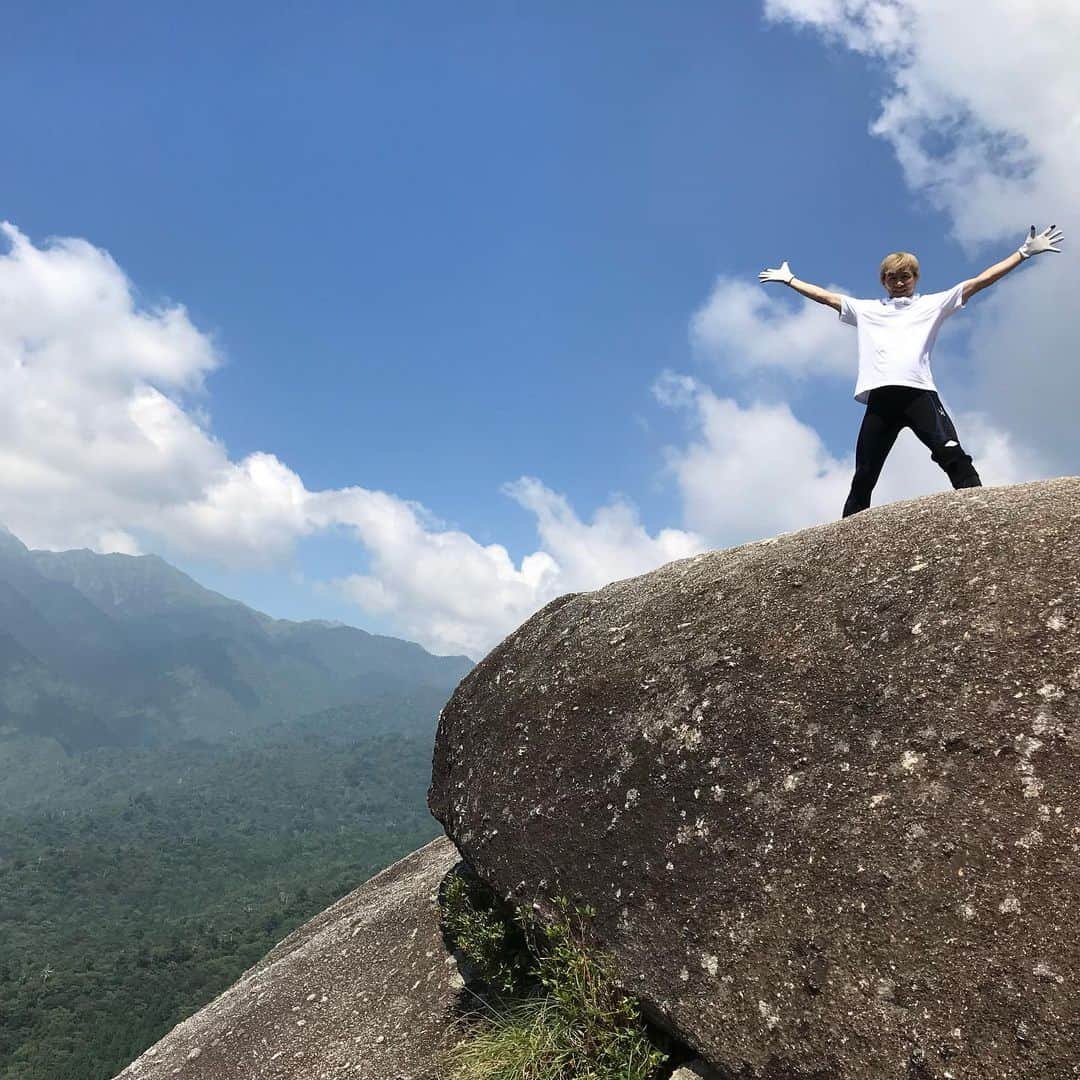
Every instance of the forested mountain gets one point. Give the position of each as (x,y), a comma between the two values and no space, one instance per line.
(183,780)
(100,650)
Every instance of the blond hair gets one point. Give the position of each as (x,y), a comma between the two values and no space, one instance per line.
(899,260)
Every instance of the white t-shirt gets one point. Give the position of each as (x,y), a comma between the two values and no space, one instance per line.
(896,337)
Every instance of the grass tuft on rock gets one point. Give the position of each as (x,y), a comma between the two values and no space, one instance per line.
(557,1012)
(484,931)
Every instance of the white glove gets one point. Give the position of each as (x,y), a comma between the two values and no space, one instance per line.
(1035,244)
(783,275)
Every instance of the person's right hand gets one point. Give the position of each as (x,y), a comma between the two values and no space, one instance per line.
(783,274)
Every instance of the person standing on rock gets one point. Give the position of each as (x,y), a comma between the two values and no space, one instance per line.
(896,337)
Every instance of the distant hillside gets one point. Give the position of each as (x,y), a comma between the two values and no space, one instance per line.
(182,781)
(138,883)
(100,650)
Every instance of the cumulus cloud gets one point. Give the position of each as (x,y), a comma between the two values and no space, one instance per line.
(437,585)
(989,135)
(441,585)
(752,471)
(615,545)
(742,327)
(94,440)
(962,131)
(103,444)
(748,471)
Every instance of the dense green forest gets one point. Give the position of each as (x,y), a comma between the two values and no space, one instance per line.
(123,913)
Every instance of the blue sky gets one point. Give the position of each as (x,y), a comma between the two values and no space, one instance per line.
(423,252)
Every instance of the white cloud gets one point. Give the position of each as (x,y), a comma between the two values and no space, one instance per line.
(255,509)
(92,445)
(881,26)
(102,444)
(991,135)
(998,456)
(125,461)
(753,471)
(964,132)
(749,472)
(441,586)
(614,546)
(743,327)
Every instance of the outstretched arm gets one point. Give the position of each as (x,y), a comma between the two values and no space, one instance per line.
(1034,244)
(784,275)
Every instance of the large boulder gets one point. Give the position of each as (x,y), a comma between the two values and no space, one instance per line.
(823,791)
(366,990)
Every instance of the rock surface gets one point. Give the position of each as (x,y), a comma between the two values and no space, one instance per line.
(823,791)
(695,1070)
(366,990)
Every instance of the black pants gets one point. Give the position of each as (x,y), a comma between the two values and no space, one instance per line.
(890,409)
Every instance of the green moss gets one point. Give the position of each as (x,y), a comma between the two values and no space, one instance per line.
(559,1014)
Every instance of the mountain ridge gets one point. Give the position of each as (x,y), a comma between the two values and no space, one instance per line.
(127,650)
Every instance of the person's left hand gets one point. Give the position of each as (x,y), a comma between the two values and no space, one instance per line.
(1037,243)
